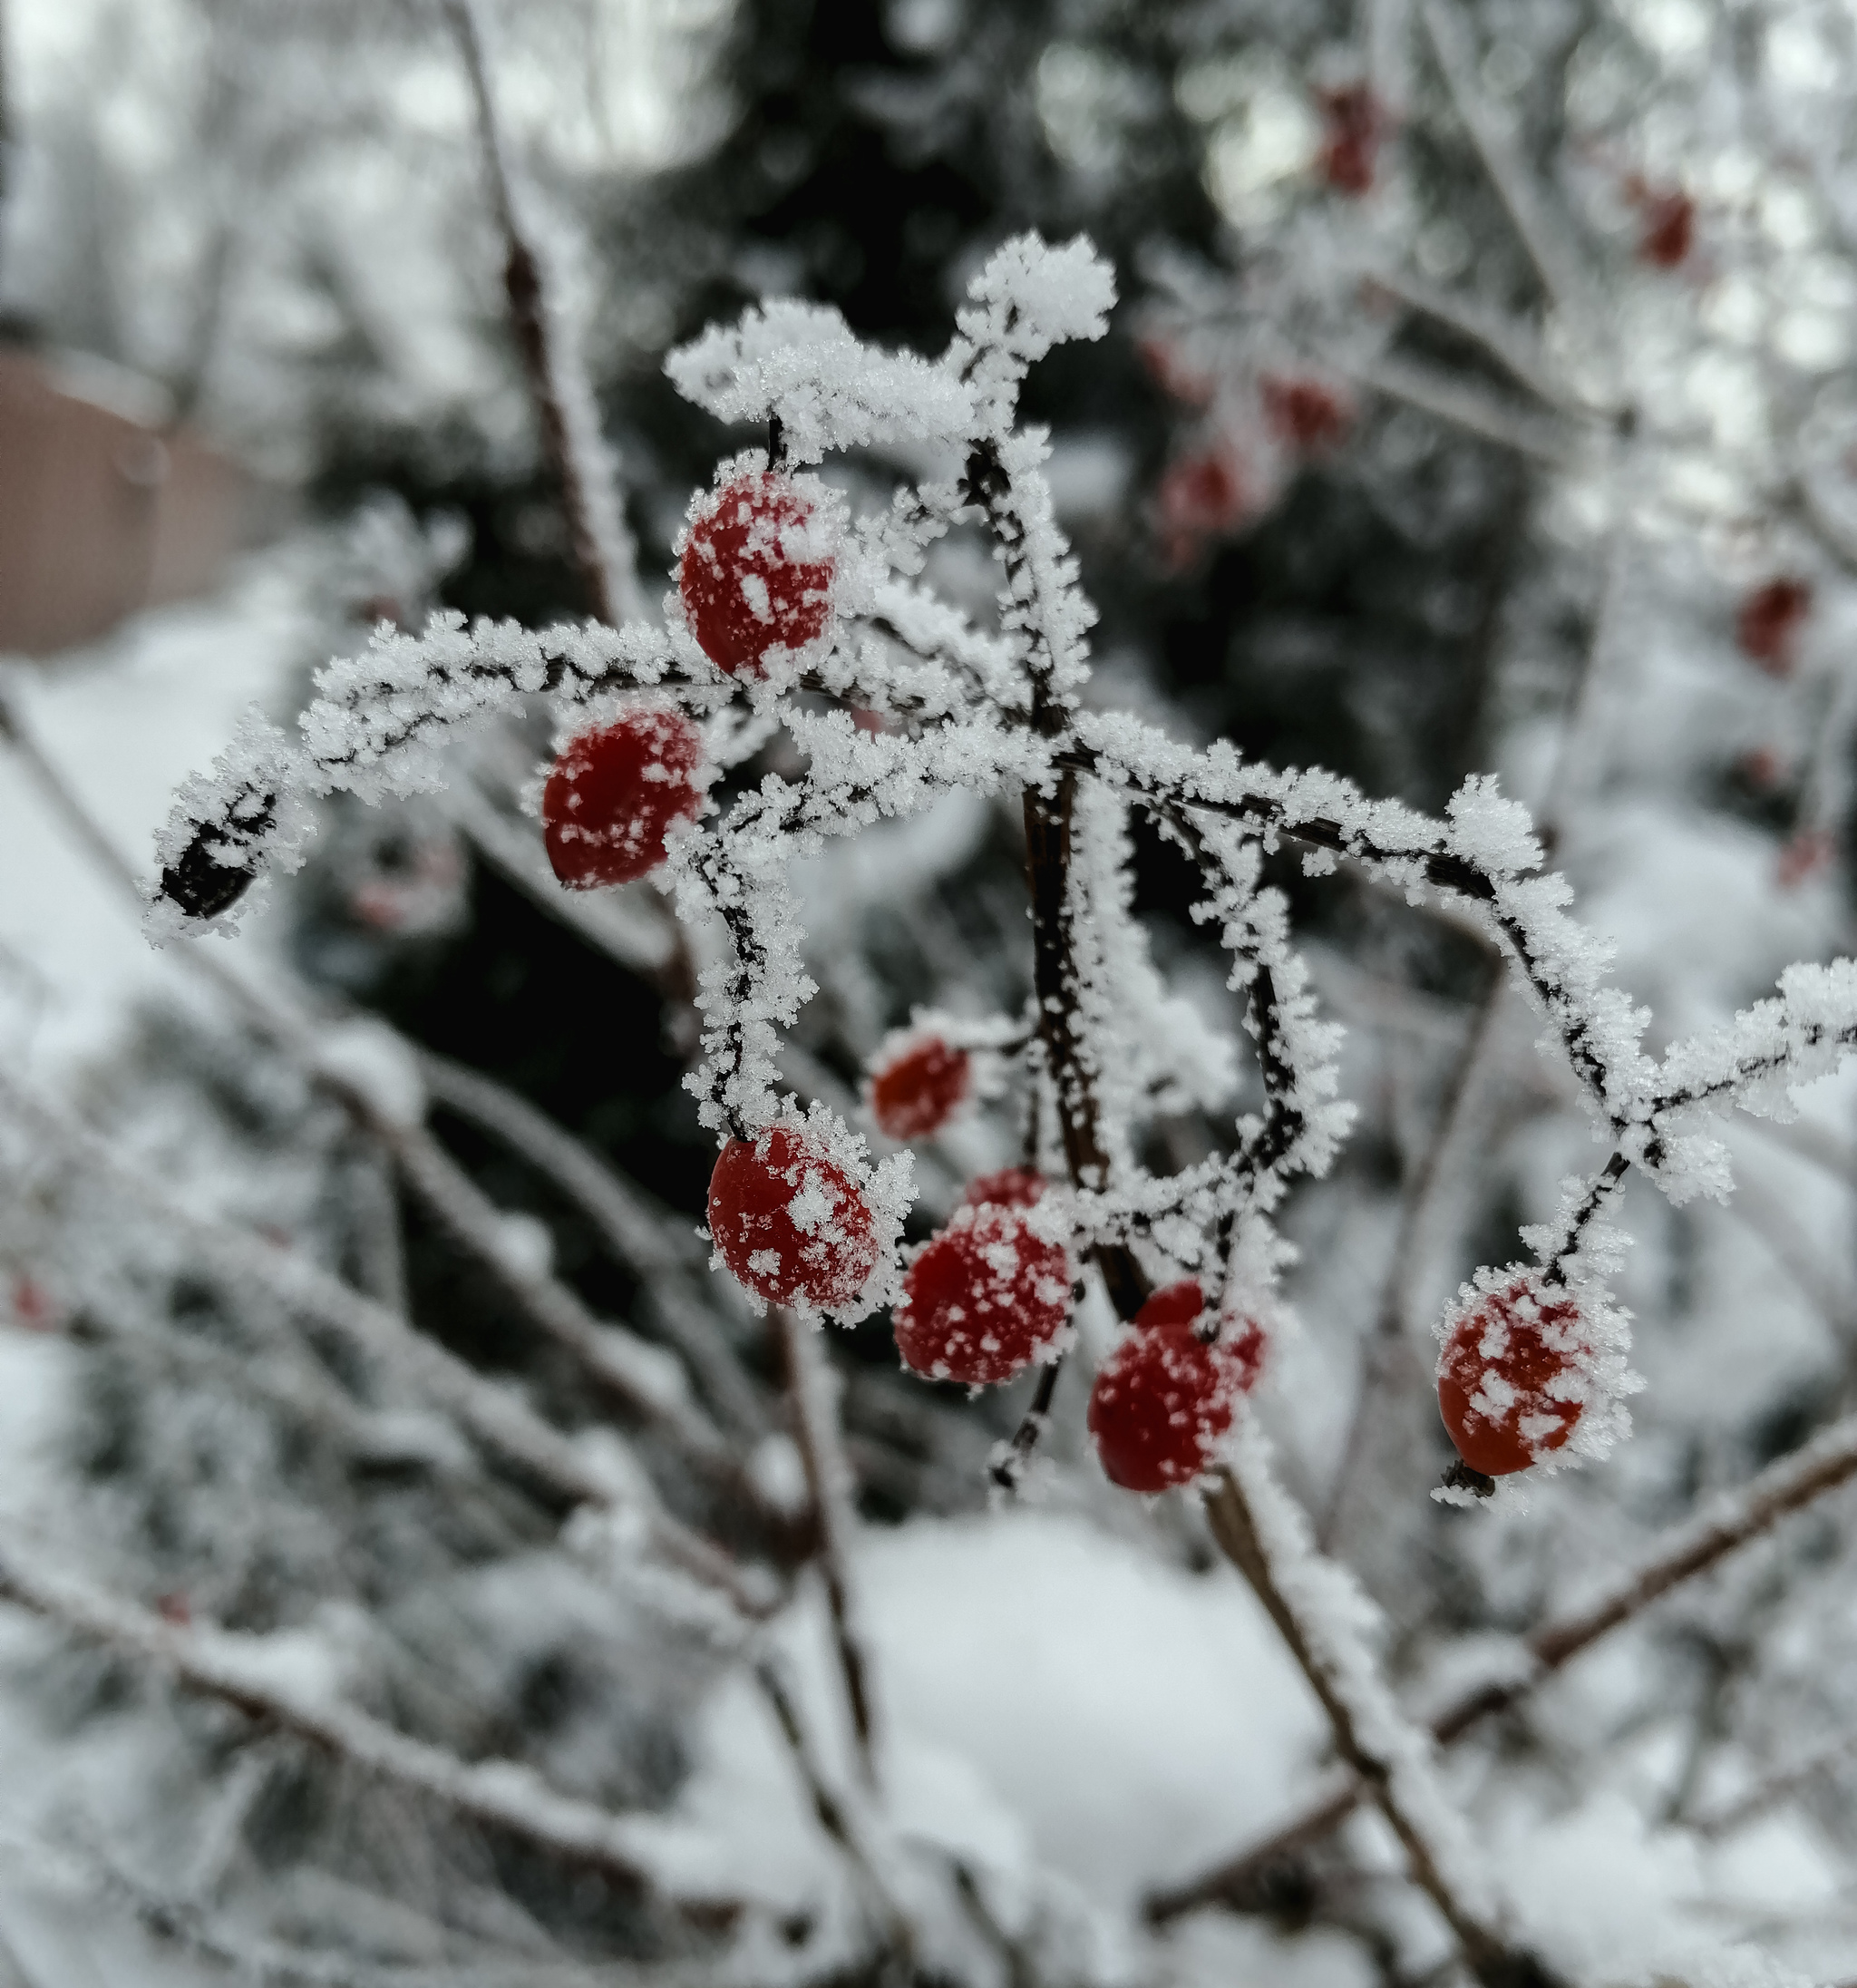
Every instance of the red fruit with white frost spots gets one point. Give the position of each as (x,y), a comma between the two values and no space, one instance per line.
(1011,1187)
(920,1088)
(614,792)
(790,1221)
(1510,1382)
(983,1300)
(1164,1400)
(756,571)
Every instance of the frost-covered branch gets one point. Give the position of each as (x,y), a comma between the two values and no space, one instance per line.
(1325,1622)
(635,1852)
(1824,1465)
(565,408)
(493,1415)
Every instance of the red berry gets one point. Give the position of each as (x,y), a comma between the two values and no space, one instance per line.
(756,571)
(614,792)
(1509,1378)
(790,1221)
(984,1299)
(1669,230)
(1768,622)
(1202,495)
(1165,1398)
(1304,413)
(1807,853)
(1011,1187)
(1172,373)
(1353,124)
(1172,1304)
(920,1089)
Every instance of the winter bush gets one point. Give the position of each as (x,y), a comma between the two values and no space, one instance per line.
(474,1635)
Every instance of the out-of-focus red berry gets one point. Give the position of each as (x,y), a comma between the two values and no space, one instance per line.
(1353,125)
(920,1088)
(1171,372)
(1305,415)
(867,720)
(1804,856)
(32,1308)
(1769,621)
(1165,1398)
(983,1300)
(1202,495)
(174,1607)
(1669,230)
(790,1220)
(1760,766)
(615,792)
(756,573)
(1509,1384)
(1011,1187)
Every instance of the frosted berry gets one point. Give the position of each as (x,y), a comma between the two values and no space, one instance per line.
(917,1091)
(1510,1387)
(756,571)
(1353,124)
(1011,1187)
(1165,1398)
(984,1299)
(790,1221)
(1768,622)
(1305,413)
(614,793)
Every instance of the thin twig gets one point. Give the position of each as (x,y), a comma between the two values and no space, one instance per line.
(557,383)
(494,1414)
(1393,1323)
(651,1242)
(837,1816)
(502,1794)
(1826,1463)
(1555,259)
(812,1389)
(1399,1778)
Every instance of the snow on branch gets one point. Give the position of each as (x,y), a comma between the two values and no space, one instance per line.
(800,365)
(634,1851)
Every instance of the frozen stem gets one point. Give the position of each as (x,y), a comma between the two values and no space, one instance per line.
(1390,1758)
(812,1389)
(1826,1464)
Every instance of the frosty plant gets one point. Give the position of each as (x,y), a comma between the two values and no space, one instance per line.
(789,612)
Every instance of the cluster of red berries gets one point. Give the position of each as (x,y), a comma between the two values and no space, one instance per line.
(1510,1385)
(753,578)
(1165,1399)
